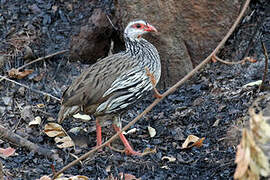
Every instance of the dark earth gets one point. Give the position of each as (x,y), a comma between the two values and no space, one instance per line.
(213,104)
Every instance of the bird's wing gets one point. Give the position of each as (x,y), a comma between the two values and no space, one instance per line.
(126,89)
(90,86)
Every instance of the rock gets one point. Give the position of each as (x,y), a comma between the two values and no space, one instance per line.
(93,41)
(189,30)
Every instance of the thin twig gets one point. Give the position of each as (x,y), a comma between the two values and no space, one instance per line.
(27,87)
(265,66)
(169,91)
(111,22)
(42,58)
(228,62)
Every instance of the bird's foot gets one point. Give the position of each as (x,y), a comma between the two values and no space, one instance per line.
(128,148)
(132,152)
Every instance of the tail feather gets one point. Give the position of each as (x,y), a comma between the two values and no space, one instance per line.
(66,112)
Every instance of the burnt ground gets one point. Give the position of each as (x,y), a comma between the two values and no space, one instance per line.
(213,104)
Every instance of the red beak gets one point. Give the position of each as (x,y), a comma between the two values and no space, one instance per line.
(150,28)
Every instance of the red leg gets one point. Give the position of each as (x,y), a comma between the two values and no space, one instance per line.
(128,148)
(99,137)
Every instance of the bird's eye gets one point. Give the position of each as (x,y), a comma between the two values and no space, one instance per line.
(138,26)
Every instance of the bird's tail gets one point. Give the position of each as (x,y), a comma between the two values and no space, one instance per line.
(66,112)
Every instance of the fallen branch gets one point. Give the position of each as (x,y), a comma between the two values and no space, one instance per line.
(265,67)
(42,58)
(20,141)
(169,91)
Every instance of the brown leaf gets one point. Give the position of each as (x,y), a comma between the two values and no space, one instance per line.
(6,152)
(40,106)
(242,159)
(53,130)
(14,73)
(64,142)
(198,142)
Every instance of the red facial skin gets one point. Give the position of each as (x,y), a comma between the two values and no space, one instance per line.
(147,27)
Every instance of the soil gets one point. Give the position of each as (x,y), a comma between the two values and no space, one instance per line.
(213,104)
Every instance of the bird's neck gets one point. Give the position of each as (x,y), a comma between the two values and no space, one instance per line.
(145,54)
(135,46)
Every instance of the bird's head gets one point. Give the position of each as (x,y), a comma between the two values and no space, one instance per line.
(136,29)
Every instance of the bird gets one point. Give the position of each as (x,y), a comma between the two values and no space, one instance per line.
(110,86)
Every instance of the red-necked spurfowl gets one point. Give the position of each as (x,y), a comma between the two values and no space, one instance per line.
(109,86)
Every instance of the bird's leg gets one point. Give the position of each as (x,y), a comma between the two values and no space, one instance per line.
(98,131)
(128,148)
(117,127)
(153,82)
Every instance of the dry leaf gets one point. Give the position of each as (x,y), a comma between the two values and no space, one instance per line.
(165,167)
(53,130)
(250,158)
(14,73)
(152,131)
(64,142)
(40,106)
(82,116)
(127,176)
(149,151)
(36,121)
(216,123)
(4,153)
(242,158)
(198,142)
(255,83)
(131,131)
(45,178)
(169,158)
